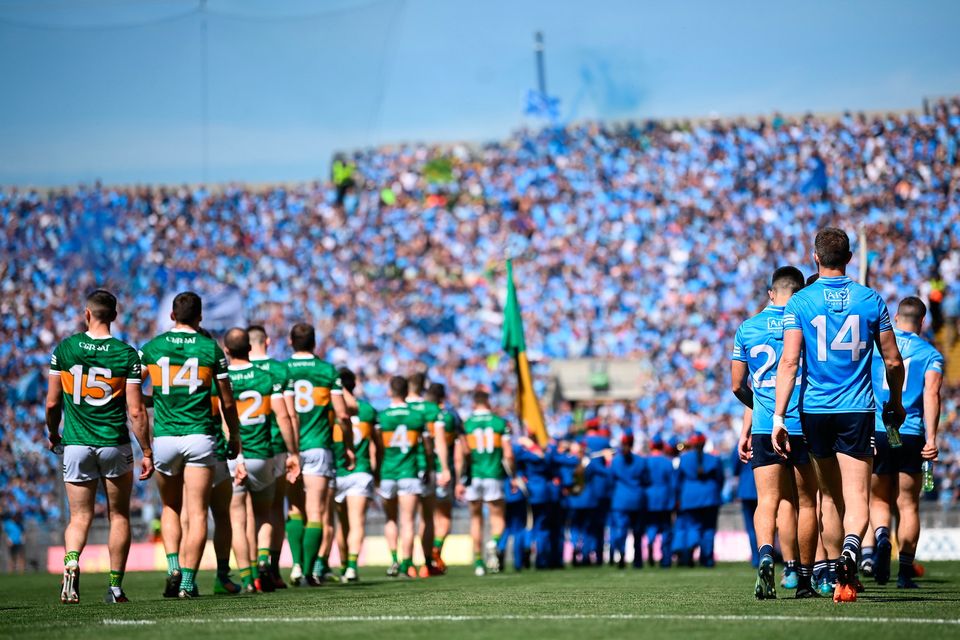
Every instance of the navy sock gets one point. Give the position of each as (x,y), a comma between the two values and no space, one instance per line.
(866,553)
(851,546)
(906,565)
(883,535)
(766,550)
(832,572)
(790,565)
(821,569)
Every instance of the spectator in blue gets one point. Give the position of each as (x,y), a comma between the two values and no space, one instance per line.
(13,531)
(597,442)
(629,473)
(747,494)
(516,517)
(661,497)
(582,504)
(700,483)
(537,475)
(564,464)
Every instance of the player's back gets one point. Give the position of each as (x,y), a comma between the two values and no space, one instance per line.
(278,370)
(182,366)
(485,433)
(919,357)
(363,424)
(759,343)
(400,428)
(840,320)
(94,374)
(253,388)
(629,477)
(660,492)
(313,382)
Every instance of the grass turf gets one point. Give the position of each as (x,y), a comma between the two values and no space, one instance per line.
(574,603)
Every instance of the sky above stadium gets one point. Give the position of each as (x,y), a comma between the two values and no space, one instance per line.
(114,89)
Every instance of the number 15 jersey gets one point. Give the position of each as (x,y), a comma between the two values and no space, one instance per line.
(841,321)
(182,365)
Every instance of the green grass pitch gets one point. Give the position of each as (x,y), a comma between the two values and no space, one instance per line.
(573,603)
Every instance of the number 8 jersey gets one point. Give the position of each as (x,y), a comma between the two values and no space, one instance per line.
(94,373)
(182,365)
(841,321)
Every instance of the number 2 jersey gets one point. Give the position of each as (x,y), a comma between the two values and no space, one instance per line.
(313,383)
(182,366)
(253,389)
(919,357)
(94,373)
(279,372)
(840,320)
(759,343)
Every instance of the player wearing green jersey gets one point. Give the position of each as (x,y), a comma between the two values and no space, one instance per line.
(259,343)
(491,460)
(259,395)
(355,487)
(183,367)
(94,383)
(443,507)
(318,402)
(400,429)
(431,416)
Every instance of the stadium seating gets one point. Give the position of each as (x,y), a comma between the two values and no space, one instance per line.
(636,241)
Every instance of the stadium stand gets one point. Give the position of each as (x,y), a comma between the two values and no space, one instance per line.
(636,241)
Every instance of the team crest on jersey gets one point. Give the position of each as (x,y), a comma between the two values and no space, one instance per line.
(775,327)
(836,299)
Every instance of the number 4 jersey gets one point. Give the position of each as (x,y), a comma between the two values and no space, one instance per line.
(840,320)
(182,366)
(94,373)
(400,430)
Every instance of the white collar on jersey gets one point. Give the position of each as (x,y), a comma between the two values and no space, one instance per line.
(413,399)
(258,358)
(240,367)
(302,356)
(182,330)
(93,337)
(481,412)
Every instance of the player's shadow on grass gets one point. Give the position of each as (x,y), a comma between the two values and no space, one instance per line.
(879,599)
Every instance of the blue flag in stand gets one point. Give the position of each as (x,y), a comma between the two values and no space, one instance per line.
(541,105)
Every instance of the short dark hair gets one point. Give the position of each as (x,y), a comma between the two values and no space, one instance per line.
(348,379)
(303,337)
(437,392)
(258,335)
(102,305)
(832,247)
(399,387)
(787,279)
(481,396)
(417,382)
(813,278)
(187,308)
(912,309)
(237,342)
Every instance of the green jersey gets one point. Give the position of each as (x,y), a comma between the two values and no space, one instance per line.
(278,370)
(449,436)
(431,414)
(254,388)
(401,431)
(94,373)
(312,383)
(487,434)
(363,424)
(182,365)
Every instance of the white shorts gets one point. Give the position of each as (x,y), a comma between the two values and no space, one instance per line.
(390,489)
(82,463)
(318,462)
(485,489)
(259,474)
(355,484)
(221,472)
(172,453)
(279,465)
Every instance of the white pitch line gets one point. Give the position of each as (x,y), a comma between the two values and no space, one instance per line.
(542,617)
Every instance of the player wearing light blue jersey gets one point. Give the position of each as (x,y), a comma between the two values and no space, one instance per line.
(785,484)
(833,324)
(897,471)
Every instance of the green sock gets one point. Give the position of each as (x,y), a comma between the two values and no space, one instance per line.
(438,543)
(116,578)
(263,556)
(393,554)
(312,536)
(246,576)
(352,560)
(477,561)
(186,582)
(173,562)
(406,564)
(223,568)
(71,556)
(275,561)
(294,529)
(254,571)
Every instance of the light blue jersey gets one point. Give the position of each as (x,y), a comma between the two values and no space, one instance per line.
(759,343)
(841,322)
(919,357)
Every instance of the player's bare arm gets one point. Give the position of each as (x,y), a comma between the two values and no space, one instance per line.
(285,424)
(54,409)
(439,437)
(932,381)
(893,363)
(228,409)
(786,381)
(738,377)
(140,426)
(346,425)
(745,445)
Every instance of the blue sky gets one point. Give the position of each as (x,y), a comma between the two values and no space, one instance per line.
(112,89)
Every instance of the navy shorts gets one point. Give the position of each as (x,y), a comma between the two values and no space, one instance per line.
(904,459)
(764,455)
(832,433)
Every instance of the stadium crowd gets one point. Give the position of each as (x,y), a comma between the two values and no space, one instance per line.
(644,240)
